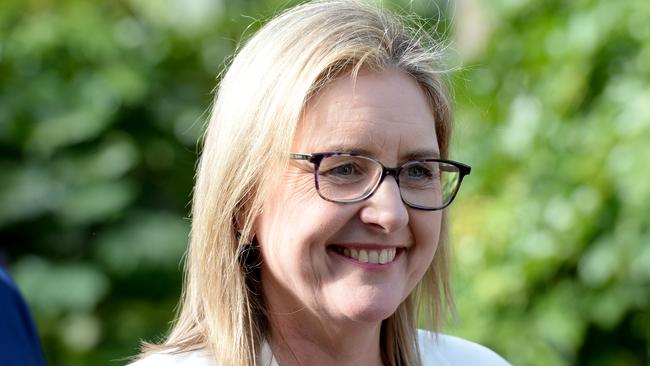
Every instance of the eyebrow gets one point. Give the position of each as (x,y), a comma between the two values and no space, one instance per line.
(417,154)
(348,150)
(423,154)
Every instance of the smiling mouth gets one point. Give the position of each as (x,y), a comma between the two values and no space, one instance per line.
(372,256)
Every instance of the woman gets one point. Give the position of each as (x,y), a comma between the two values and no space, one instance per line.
(318,222)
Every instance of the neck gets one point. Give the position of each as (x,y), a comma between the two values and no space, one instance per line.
(299,338)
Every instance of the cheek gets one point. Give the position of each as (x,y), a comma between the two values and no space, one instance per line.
(426,228)
(293,232)
(277,231)
(296,224)
(280,212)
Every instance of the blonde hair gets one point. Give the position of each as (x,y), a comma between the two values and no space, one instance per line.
(257,107)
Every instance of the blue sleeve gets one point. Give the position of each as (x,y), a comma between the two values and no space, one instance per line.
(19,344)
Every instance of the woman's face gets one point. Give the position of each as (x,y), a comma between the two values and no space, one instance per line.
(303,237)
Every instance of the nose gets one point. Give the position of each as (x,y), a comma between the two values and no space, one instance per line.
(384,209)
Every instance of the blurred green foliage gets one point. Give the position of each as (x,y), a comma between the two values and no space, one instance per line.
(553,231)
(101,105)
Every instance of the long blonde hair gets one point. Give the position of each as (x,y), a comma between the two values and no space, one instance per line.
(258,105)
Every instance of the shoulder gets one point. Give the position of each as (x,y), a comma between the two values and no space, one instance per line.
(19,343)
(200,357)
(440,349)
(191,358)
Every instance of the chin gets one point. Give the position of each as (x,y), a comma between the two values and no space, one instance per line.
(371,313)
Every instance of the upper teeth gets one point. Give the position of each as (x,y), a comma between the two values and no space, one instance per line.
(382,256)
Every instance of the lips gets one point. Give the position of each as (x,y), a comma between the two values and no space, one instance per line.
(369,255)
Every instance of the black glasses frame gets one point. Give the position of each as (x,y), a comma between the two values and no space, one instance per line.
(316,158)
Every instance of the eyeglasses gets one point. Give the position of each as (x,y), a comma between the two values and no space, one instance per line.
(427,184)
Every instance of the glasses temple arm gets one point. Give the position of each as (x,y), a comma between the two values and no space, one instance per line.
(298,156)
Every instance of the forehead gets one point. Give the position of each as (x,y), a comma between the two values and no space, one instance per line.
(383,114)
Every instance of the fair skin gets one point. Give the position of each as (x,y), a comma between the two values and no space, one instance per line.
(324,307)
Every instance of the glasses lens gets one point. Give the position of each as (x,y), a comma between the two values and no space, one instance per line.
(428,184)
(347,178)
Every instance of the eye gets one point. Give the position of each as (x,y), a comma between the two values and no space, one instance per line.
(418,171)
(344,170)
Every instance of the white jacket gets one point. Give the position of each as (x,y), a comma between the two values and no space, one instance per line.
(444,350)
